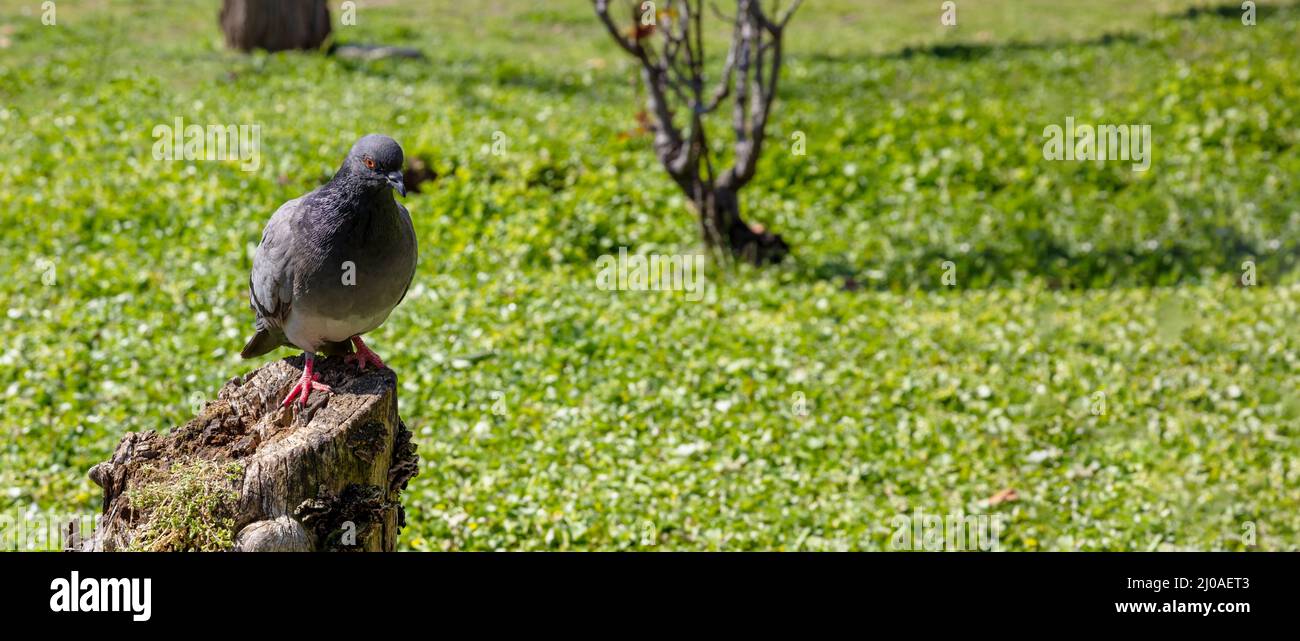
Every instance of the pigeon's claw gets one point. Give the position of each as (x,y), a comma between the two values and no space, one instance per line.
(363,356)
(306,385)
(302,390)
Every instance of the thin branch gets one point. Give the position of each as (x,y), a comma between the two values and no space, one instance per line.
(676,69)
(724,85)
(720,15)
(760,38)
(655,76)
(629,45)
(743,39)
(785,19)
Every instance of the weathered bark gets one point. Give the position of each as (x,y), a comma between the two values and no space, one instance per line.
(275,25)
(326,477)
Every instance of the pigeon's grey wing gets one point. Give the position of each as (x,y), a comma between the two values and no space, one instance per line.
(415,249)
(270,287)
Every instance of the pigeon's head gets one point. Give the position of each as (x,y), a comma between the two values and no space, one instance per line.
(377,160)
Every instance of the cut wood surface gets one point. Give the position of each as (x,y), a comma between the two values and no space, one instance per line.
(249,475)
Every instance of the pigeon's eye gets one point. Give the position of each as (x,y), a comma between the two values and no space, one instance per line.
(370,163)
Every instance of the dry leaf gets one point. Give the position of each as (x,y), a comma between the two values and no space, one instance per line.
(1005,496)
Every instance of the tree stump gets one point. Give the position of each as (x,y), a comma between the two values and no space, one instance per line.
(249,475)
(275,25)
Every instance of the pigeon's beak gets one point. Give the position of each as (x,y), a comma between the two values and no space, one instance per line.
(396,182)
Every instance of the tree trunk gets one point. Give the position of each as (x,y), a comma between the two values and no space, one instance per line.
(723,228)
(675,67)
(249,475)
(275,25)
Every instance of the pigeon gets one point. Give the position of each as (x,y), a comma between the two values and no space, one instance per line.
(334,263)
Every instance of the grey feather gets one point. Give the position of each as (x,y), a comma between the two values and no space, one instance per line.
(334,263)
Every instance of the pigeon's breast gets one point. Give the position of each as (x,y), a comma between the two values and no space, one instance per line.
(352,289)
(311,330)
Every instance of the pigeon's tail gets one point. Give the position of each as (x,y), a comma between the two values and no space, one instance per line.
(261,342)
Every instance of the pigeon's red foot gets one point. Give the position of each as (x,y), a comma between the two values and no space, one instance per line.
(363,356)
(305,386)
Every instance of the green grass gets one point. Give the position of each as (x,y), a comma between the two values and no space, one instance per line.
(626,412)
